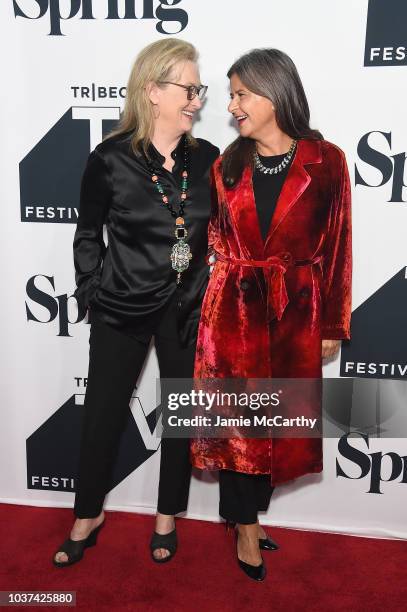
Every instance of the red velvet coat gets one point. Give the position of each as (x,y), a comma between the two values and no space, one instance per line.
(269,304)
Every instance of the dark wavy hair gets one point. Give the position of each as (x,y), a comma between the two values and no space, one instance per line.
(270,73)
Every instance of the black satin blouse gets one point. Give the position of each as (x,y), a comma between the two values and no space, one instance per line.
(129,282)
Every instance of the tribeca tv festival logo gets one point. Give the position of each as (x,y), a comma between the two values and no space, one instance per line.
(53,449)
(378,348)
(51,173)
(374,149)
(57,11)
(386,33)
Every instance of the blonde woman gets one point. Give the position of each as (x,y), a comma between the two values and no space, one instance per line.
(148,183)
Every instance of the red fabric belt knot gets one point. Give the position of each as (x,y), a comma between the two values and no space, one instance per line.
(274,268)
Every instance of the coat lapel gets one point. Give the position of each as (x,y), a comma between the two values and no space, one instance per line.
(298,179)
(245,220)
(242,204)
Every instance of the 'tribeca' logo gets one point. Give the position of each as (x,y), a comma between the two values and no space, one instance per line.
(53,448)
(386,33)
(50,174)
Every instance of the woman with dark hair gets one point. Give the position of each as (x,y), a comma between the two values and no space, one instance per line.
(148,183)
(279,297)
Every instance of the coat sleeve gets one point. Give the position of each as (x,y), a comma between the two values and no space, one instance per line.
(337,260)
(88,246)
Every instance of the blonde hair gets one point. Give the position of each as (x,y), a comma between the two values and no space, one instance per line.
(154,63)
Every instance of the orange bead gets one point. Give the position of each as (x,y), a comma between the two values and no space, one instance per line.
(179,221)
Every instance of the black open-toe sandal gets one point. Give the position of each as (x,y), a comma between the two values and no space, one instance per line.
(74,549)
(168,541)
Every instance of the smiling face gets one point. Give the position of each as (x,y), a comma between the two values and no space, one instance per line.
(254,114)
(174,112)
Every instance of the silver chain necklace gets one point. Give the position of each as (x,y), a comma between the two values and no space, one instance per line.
(285,161)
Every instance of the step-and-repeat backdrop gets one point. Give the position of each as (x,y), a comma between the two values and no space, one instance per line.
(64,69)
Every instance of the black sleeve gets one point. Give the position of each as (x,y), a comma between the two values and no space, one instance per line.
(210,151)
(215,154)
(88,246)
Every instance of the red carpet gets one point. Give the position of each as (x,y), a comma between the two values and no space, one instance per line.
(311,572)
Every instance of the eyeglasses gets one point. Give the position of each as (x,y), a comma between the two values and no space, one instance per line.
(192,90)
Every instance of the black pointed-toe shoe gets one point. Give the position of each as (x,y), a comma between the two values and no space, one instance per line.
(268,544)
(264,543)
(74,549)
(255,572)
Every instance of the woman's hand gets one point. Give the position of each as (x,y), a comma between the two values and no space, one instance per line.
(330,348)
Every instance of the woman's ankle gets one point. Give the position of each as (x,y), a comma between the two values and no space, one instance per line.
(247,530)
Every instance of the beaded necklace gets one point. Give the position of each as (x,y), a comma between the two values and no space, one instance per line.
(180,252)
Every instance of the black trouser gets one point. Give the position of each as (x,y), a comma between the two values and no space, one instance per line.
(242,496)
(115,363)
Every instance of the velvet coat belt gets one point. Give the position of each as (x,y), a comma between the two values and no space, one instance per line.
(274,268)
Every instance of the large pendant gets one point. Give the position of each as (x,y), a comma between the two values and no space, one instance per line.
(180,256)
(180,252)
